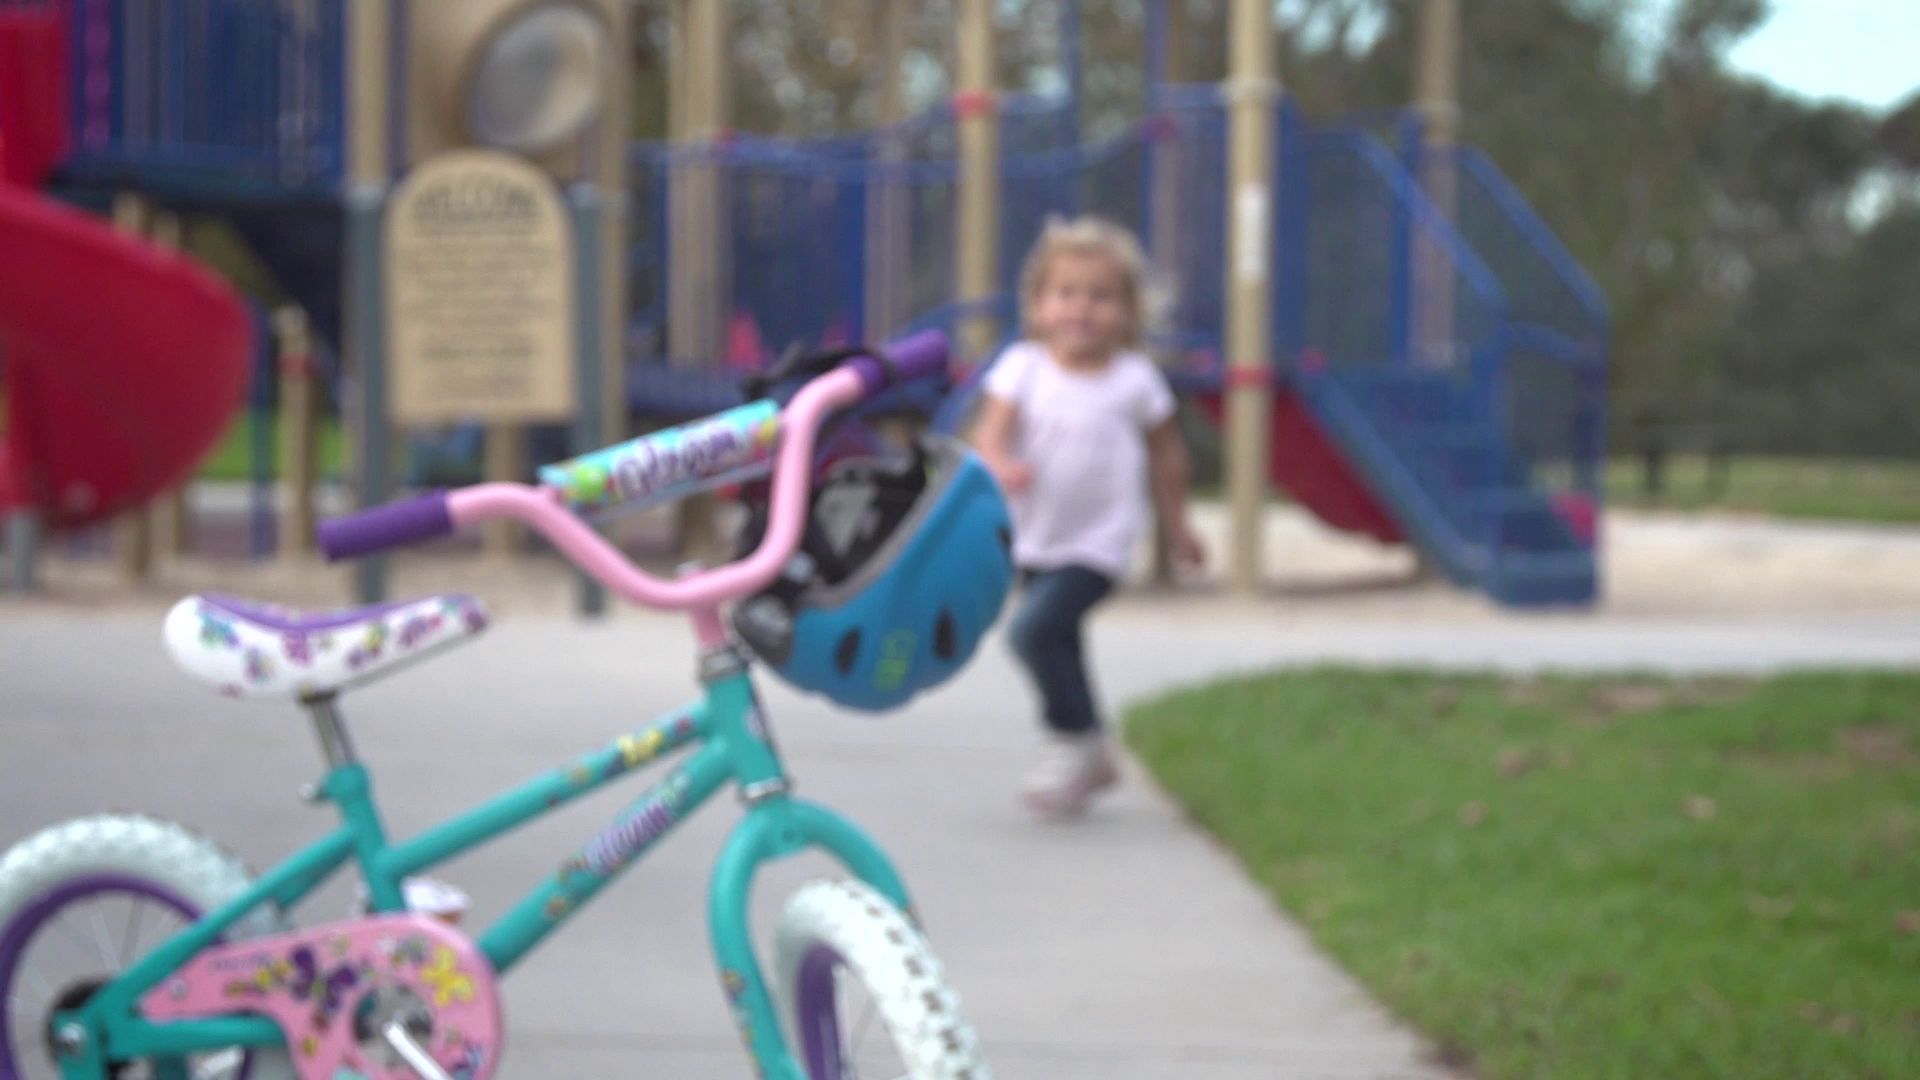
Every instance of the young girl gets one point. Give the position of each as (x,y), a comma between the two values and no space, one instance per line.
(1078,426)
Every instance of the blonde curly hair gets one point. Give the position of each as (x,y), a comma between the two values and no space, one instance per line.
(1099,238)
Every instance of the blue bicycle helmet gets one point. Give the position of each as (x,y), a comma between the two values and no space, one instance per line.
(904,566)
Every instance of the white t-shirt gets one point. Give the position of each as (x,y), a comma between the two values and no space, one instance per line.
(1083,433)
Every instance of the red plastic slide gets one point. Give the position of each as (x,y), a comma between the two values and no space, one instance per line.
(121,364)
(1305,462)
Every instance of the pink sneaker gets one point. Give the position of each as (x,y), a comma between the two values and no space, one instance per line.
(1073,769)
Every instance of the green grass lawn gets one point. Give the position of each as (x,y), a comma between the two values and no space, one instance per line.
(1840,488)
(1586,877)
(232,457)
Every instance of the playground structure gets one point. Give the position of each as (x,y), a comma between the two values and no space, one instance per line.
(1413,355)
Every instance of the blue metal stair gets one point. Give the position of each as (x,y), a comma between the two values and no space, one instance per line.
(1429,447)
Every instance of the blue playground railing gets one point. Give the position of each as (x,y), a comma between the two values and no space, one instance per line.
(1560,334)
(797,261)
(1186,170)
(1361,203)
(1366,211)
(225,95)
(1387,256)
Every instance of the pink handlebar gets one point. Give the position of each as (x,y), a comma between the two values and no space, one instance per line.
(545,508)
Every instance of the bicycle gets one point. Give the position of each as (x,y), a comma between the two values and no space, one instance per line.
(401,993)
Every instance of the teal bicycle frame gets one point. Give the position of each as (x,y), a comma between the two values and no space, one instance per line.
(729,733)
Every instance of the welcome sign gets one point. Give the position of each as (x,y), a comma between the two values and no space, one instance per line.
(479,274)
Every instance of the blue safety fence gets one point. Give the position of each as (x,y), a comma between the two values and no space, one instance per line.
(819,242)
(1185,197)
(1440,330)
(217,96)
(1367,217)
(1560,326)
(1458,391)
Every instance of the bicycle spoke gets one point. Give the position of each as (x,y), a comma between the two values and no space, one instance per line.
(860,1029)
(45,991)
(857,1056)
(865,1021)
(73,936)
(19,1005)
(103,938)
(26,1017)
(849,1043)
(127,953)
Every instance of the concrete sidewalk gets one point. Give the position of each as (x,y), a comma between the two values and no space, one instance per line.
(1123,946)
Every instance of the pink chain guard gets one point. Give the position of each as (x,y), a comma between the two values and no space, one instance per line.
(312,982)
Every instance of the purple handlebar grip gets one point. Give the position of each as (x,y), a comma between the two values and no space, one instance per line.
(422,517)
(923,354)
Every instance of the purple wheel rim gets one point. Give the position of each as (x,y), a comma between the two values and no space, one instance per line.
(817,1013)
(17,933)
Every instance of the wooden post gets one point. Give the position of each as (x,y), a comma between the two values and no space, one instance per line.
(1250,93)
(369,170)
(172,526)
(505,461)
(615,226)
(977,232)
(133,533)
(1437,96)
(1164,233)
(697,294)
(887,266)
(683,259)
(697,109)
(1164,227)
(298,452)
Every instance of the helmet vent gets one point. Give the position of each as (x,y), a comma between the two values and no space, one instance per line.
(946,637)
(846,652)
(1006,538)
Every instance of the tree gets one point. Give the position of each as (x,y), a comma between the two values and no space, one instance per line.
(1736,230)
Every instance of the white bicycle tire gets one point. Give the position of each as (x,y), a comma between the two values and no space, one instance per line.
(869,938)
(169,855)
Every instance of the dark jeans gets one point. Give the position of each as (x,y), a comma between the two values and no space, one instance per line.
(1045,634)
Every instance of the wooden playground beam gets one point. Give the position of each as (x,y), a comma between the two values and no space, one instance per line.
(698,117)
(299,418)
(1164,227)
(1437,73)
(503,460)
(1437,98)
(698,106)
(1251,90)
(172,526)
(133,533)
(887,203)
(977,232)
(617,228)
(370,105)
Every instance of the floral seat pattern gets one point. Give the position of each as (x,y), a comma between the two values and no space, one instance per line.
(246,649)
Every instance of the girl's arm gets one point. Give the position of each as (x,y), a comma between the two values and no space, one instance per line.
(993,439)
(1170,471)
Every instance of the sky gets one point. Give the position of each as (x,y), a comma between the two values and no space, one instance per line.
(1867,51)
(1864,51)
